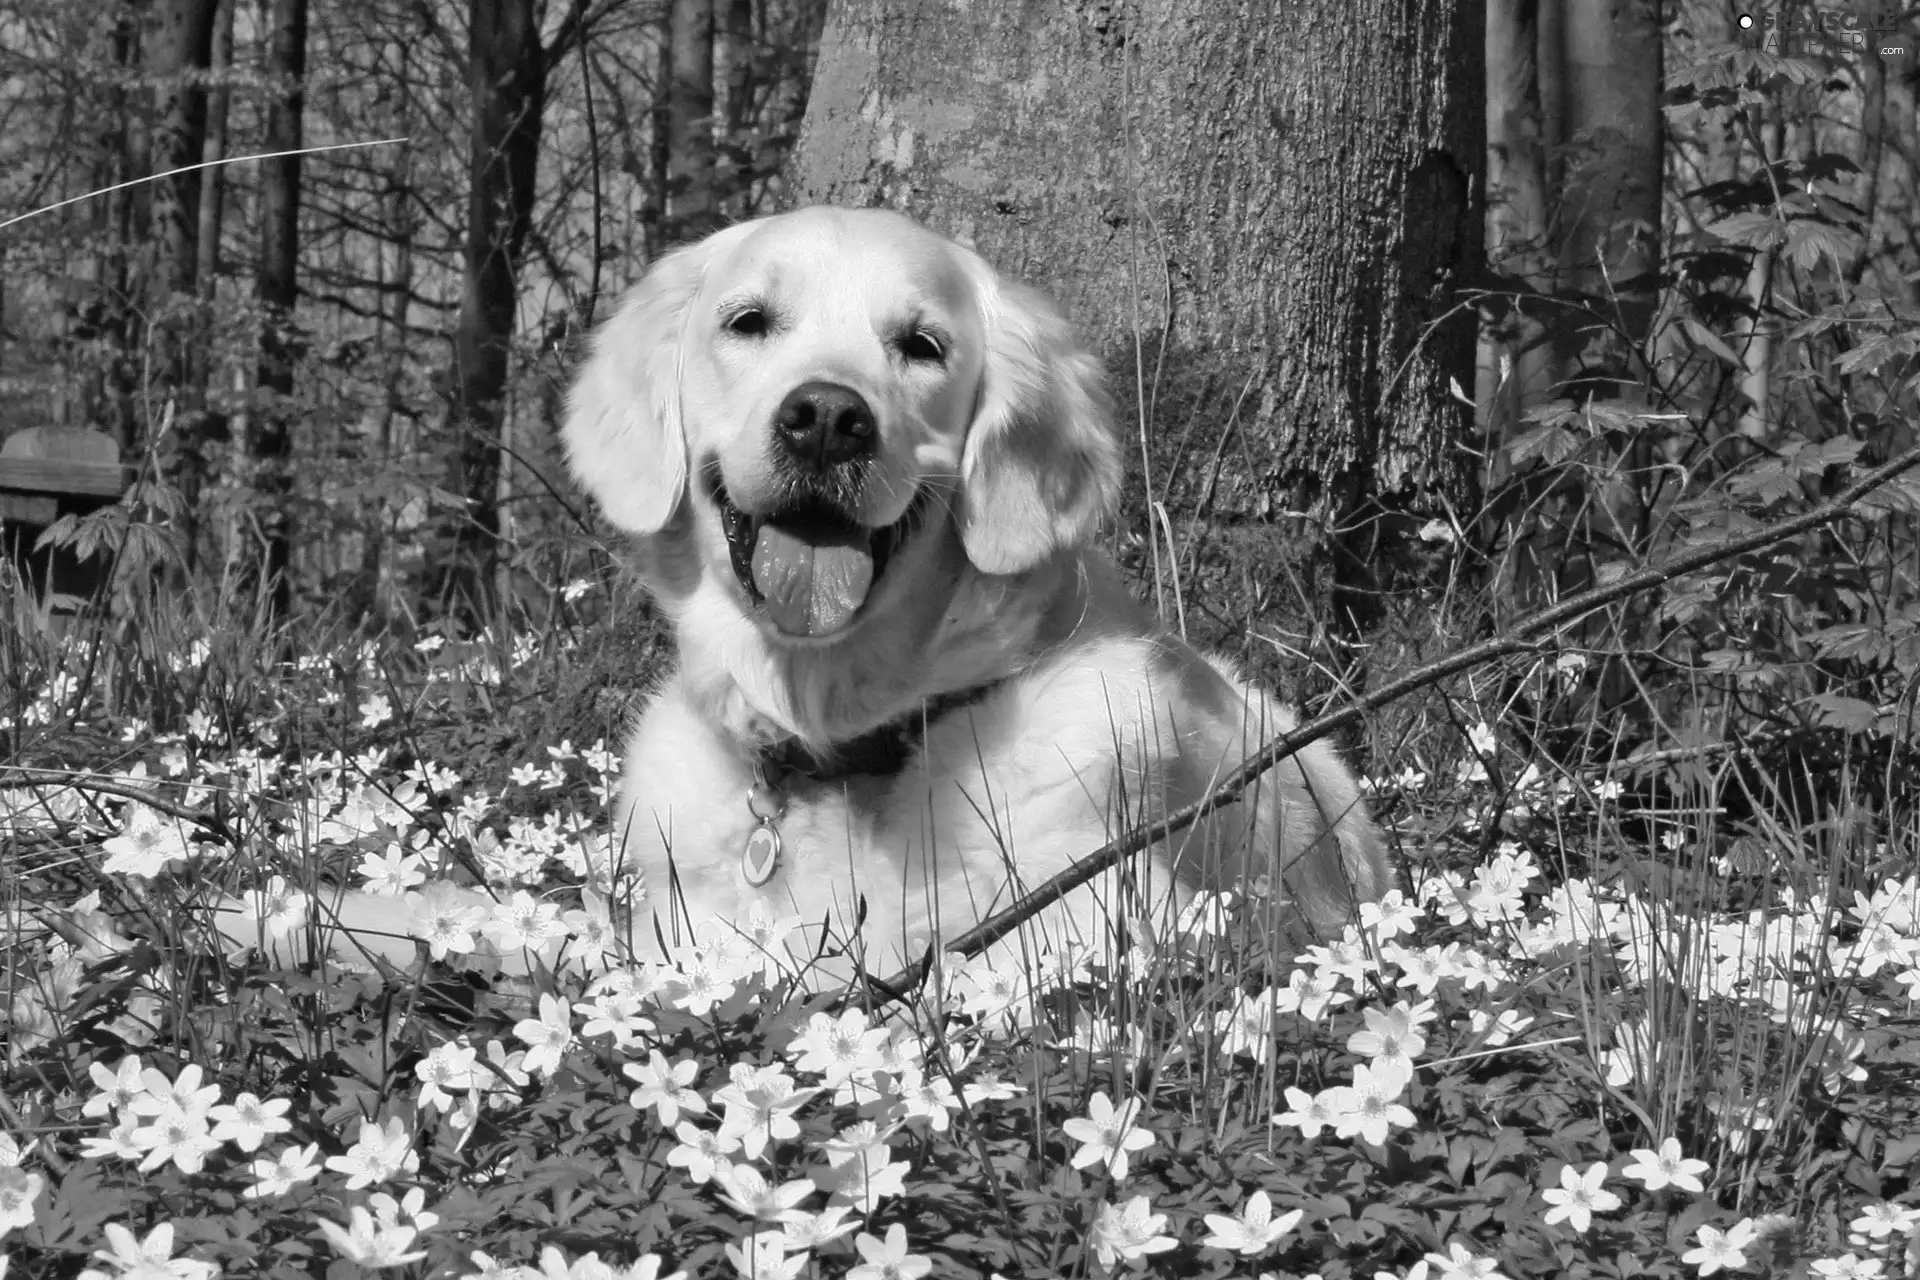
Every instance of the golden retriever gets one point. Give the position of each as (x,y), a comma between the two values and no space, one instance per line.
(864,472)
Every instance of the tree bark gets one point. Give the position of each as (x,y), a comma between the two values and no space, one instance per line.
(692,209)
(111,321)
(506,78)
(179,45)
(401,224)
(1259,212)
(1516,370)
(206,271)
(735,52)
(213,179)
(1611,244)
(276,286)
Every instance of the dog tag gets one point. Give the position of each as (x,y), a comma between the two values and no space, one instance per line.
(761,857)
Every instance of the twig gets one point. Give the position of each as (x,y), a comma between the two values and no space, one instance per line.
(30,777)
(192,168)
(1528,633)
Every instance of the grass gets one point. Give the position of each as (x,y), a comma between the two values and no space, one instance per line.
(1604,1028)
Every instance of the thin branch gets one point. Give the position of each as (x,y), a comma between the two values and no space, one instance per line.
(1527,634)
(194,168)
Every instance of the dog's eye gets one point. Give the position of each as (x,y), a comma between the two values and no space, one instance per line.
(919,345)
(750,323)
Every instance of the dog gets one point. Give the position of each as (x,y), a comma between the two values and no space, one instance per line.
(863,473)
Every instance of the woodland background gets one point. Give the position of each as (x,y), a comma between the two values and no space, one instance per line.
(1391,294)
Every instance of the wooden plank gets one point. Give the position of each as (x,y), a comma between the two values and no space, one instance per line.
(55,475)
(29,509)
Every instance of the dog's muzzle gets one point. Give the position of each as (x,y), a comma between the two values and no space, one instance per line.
(809,564)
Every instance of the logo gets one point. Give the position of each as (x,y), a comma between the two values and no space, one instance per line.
(1850,30)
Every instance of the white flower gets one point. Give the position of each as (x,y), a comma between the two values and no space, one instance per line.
(249,1121)
(149,1259)
(524,921)
(18,1190)
(380,1153)
(760,1106)
(1460,1263)
(1666,1167)
(763,1256)
(838,1049)
(811,1230)
(391,874)
(1390,917)
(370,1243)
(1254,1231)
(1886,1218)
(1108,1135)
(701,1153)
(443,918)
(118,1087)
(888,1260)
(1721,1250)
(1247,1028)
(277,1176)
(445,1071)
(149,842)
(1848,1266)
(175,1136)
(388,1211)
(927,1098)
(1392,1033)
(1579,1196)
(666,1088)
(547,1037)
(1368,1108)
(747,1190)
(1310,1113)
(1130,1231)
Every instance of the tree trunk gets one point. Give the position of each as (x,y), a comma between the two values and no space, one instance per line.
(213,179)
(736,49)
(507,80)
(270,440)
(179,46)
(397,280)
(112,321)
(1516,369)
(1611,245)
(206,270)
(692,210)
(1258,211)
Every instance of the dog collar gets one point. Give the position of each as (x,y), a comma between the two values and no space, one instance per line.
(878,753)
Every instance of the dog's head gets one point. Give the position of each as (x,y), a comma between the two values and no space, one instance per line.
(805,405)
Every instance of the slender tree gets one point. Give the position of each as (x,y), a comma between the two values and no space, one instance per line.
(1516,368)
(276,286)
(179,47)
(692,207)
(506,79)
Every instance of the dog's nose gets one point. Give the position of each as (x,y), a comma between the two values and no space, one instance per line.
(823,424)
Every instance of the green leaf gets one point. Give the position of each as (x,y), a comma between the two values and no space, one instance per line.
(1748,227)
(1808,241)
(1711,341)
(1837,711)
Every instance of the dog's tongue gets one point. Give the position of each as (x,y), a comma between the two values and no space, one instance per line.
(812,588)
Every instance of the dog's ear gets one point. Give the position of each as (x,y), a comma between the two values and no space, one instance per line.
(1041,465)
(625,441)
